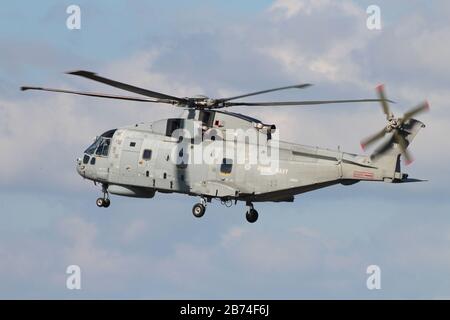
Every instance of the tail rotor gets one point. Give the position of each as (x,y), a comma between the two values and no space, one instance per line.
(396,127)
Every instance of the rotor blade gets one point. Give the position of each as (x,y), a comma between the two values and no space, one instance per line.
(383,148)
(296,103)
(93,94)
(298,86)
(124,86)
(384,104)
(371,139)
(424,106)
(403,144)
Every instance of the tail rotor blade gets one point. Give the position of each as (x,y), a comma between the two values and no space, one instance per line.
(424,106)
(370,140)
(384,104)
(403,144)
(383,148)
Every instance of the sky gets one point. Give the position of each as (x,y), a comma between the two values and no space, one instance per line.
(317,247)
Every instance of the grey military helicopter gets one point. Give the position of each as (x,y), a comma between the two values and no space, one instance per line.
(142,159)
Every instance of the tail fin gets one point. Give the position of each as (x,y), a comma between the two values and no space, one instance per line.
(389,160)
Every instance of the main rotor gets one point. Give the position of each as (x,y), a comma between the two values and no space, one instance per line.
(196,102)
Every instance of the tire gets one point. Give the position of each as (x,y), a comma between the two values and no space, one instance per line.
(198,210)
(100,202)
(106,203)
(251,215)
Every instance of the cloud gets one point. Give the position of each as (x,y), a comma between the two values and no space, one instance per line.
(292,8)
(232,236)
(135,230)
(40,137)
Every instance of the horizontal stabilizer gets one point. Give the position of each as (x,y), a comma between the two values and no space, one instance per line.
(410,180)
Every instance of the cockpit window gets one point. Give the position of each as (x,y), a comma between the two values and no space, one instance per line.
(109,134)
(101,145)
(93,146)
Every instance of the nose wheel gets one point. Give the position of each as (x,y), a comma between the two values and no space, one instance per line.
(251,215)
(103,202)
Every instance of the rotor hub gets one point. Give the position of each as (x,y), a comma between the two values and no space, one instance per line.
(393,123)
(202,101)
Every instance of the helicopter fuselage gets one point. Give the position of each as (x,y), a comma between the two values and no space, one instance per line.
(146,158)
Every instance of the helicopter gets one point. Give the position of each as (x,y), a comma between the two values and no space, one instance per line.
(211,153)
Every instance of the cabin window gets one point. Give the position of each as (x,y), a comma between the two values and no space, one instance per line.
(147,154)
(172,125)
(206,117)
(132,144)
(226,166)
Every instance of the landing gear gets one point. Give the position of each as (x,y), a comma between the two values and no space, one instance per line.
(198,210)
(100,202)
(106,203)
(103,202)
(251,214)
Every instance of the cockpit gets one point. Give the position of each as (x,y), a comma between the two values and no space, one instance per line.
(100,147)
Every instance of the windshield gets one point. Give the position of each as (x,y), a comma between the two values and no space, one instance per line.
(92,147)
(101,145)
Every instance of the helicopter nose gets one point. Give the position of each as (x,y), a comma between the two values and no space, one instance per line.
(80,167)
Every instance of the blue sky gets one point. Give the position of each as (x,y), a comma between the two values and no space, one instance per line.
(317,247)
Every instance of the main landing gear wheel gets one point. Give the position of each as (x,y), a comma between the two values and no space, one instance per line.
(101,202)
(198,210)
(106,203)
(251,215)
